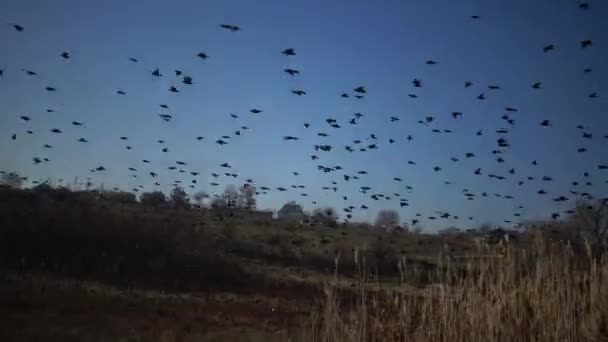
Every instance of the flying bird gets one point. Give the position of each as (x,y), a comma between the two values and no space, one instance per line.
(289,52)
(231,28)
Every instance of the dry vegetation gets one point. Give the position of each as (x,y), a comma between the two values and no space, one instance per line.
(78,266)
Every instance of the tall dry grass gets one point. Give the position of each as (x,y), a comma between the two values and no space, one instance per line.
(549,294)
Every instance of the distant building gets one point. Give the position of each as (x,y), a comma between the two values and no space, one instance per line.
(291,212)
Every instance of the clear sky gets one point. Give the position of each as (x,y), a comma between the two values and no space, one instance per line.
(339,46)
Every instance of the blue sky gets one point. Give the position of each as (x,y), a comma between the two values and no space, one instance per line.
(339,45)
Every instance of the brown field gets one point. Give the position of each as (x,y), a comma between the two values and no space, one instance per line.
(75,267)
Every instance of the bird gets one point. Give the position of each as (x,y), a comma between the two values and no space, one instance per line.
(203,55)
(173,89)
(255,111)
(289,52)
(221,142)
(468,84)
(231,28)
(593,95)
(25,118)
(299,92)
(56,130)
(494,87)
(457,115)
(65,55)
(417,83)
(288,137)
(537,85)
(431,62)
(548,48)
(481,96)
(83,140)
(294,72)
(586,43)
(50,89)
(545,123)
(121,92)
(77,123)
(17,27)
(360,90)
(132,59)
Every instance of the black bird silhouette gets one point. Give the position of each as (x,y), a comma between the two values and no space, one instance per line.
(468,84)
(457,115)
(120,92)
(51,89)
(178,72)
(65,55)
(255,111)
(56,130)
(289,52)
(477,172)
(417,83)
(156,72)
(299,92)
(587,70)
(493,87)
(394,118)
(294,72)
(221,142)
(431,62)
(25,118)
(173,89)
(481,96)
(360,90)
(584,5)
(83,140)
(287,137)
(545,123)
(203,55)
(537,85)
(586,43)
(548,48)
(134,60)
(77,123)
(593,95)
(187,80)
(14,136)
(231,28)
(587,135)
(18,28)
(413,96)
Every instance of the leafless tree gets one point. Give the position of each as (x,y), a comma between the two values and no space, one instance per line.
(387,219)
(179,198)
(247,198)
(593,218)
(199,198)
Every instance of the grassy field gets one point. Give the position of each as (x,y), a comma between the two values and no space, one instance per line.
(75,267)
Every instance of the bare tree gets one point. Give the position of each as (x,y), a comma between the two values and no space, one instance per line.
(387,219)
(12,180)
(154,199)
(327,216)
(179,198)
(247,198)
(231,196)
(199,198)
(593,218)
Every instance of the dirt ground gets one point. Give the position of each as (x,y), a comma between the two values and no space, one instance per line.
(43,308)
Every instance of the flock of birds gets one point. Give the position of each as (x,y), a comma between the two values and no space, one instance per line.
(372,142)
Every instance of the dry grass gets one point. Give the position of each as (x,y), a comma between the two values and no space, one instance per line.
(548,295)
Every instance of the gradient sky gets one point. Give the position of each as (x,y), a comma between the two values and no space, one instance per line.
(340,45)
